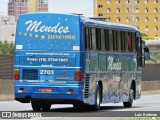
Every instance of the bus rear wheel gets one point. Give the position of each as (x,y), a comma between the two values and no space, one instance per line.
(36,105)
(82,106)
(96,106)
(131,97)
(76,105)
(46,106)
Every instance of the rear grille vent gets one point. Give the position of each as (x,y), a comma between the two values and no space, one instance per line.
(86,91)
(30,74)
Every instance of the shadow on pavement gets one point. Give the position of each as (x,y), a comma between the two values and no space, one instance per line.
(105,111)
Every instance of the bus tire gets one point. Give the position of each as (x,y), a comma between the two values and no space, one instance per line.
(76,105)
(131,97)
(96,106)
(46,106)
(36,105)
(81,106)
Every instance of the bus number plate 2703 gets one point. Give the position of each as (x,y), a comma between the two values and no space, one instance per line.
(46,72)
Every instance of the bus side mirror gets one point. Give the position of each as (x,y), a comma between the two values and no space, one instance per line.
(146,53)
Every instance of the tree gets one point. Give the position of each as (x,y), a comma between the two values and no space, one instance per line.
(144,34)
(11,51)
(1,44)
(6,48)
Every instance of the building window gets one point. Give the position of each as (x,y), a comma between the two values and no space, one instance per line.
(146,10)
(146,1)
(127,1)
(108,19)
(147,28)
(137,19)
(137,1)
(156,19)
(127,10)
(118,1)
(146,19)
(108,1)
(156,10)
(138,27)
(118,19)
(100,6)
(127,19)
(109,10)
(100,15)
(156,28)
(137,10)
(155,1)
(118,10)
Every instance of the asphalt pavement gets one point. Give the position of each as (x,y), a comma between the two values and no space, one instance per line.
(147,106)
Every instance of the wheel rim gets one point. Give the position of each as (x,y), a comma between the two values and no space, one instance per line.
(98,98)
(131,94)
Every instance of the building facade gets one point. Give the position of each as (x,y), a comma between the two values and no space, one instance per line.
(7,28)
(144,14)
(16,7)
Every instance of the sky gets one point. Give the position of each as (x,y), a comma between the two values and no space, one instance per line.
(84,7)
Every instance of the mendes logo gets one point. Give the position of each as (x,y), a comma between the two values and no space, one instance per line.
(39,27)
(114,64)
(57,31)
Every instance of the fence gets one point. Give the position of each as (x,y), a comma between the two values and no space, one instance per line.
(151,77)
(6,67)
(151,72)
(6,77)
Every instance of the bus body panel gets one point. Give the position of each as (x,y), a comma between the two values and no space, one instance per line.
(47,54)
(116,71)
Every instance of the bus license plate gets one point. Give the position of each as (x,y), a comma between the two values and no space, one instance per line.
(46,90)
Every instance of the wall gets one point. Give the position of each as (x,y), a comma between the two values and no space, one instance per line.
(7,28)
(151,77)
(6,77)
(141,24)
(151,72)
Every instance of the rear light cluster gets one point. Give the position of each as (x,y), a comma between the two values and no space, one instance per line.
(16,74)
(78,75)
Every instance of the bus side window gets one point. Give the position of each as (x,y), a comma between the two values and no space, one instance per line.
(133,41)
(118,41)
(98,38)
(103,40)
(139,51)
(110,40)
(107,39)
(94,46)
(88,38)
(129,41)
(123,46)
(126,41)
(115,40)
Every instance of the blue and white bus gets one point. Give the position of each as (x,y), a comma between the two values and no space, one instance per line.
(71,59)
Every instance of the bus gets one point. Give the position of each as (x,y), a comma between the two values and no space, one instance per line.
(72,59)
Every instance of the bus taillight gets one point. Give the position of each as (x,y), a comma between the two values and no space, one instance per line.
(16,74)
(78,75)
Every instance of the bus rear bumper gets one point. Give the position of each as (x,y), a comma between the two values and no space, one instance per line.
(25,94)
(55,99)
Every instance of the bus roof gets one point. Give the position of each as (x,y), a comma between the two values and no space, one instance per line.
(91,22)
